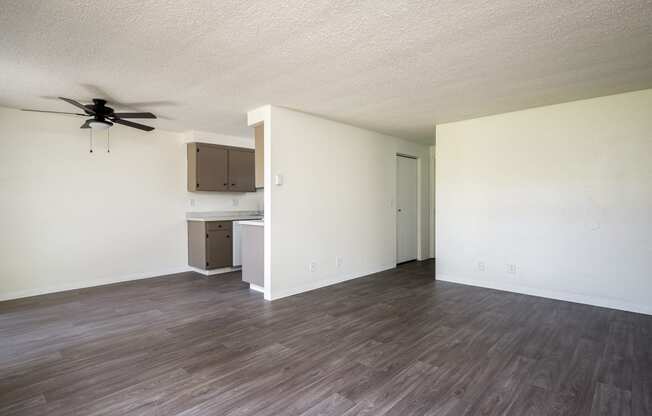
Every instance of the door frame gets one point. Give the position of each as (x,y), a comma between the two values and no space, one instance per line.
(420,201)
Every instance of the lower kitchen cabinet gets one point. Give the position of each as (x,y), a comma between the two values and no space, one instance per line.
(210,244)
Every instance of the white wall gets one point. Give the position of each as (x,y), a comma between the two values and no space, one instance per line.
(337,200)
(564,192)
(72,219)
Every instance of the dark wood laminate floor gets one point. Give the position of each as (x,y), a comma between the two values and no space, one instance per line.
(395,343)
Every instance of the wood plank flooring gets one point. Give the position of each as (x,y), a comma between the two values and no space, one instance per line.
(394,343)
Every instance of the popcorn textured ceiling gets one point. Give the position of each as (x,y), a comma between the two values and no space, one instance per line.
(396,67)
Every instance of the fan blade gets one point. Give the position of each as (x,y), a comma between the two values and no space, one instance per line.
(54,112)
(132,124)
(86,124)
(133,115)
(76,104)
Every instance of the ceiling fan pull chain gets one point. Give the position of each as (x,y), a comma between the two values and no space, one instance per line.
(91,142)
(108,140)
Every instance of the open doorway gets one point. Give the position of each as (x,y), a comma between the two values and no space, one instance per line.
(406,208)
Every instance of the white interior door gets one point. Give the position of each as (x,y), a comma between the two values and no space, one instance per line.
(406,209)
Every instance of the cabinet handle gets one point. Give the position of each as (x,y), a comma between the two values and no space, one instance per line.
(225,184)
(227,236)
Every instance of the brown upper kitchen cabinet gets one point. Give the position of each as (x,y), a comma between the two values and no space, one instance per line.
(217,168)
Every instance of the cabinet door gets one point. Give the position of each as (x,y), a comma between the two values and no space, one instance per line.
(219,249)
(212,168)
(241,171)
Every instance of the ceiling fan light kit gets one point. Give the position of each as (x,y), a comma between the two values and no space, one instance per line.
(99,124)
(102,117)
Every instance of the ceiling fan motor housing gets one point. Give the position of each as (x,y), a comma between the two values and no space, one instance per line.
(99,108)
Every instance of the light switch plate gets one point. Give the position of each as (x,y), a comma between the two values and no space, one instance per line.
(278,180)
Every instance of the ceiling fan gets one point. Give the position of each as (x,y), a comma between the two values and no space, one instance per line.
(101,116)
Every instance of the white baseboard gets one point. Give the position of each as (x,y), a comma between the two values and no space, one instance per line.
(325,282)
(91,283)
(256,288)
(214,271)
(551,294)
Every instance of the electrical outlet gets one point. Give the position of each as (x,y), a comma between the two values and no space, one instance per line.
(481,266)
(511,268)
(312,266)
(338,261)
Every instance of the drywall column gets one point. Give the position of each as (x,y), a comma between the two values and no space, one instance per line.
(333,216)
(256,117)
(432,194)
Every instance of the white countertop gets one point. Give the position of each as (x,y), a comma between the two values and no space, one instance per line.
(258,223)
(224,216)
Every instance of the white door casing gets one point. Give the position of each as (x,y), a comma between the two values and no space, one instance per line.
(406,209)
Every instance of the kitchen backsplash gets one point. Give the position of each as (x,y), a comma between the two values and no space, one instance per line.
(212,201)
